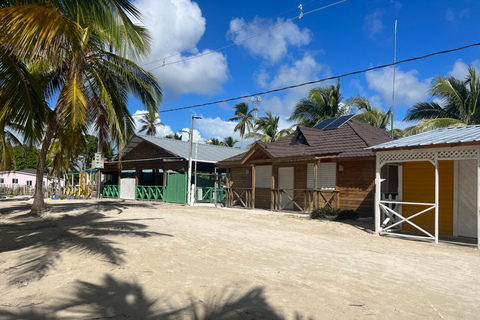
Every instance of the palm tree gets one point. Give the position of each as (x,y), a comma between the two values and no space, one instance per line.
(321,103)
(376,117)
(7,153)
(460,104)
(229,142)
(268,126)
(75,50)
(245,120)
(174,136)
(150,121)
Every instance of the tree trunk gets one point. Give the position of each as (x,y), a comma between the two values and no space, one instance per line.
(38,206)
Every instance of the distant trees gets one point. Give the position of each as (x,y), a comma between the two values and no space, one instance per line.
(229,142)
(245,119)
(150,121)
(460,104)
(321,103)
(174,136)
(268,129)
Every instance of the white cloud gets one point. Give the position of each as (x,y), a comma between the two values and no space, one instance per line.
(373,24)
(220,129)
(197,137)
(300,71)
(398,5)
(408,88)
(161,130)
(460,69)
(271,45)
(178,25)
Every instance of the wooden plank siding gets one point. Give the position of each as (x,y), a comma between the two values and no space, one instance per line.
(300,182)
(419,186)
(356,184)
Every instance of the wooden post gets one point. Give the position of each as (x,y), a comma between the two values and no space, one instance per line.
(165,177)
(119,173)
(315,185)
(272,192)
(253,186)
(437,197)
(155,177)
(377,194)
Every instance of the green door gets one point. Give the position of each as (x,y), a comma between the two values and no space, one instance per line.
(176,190)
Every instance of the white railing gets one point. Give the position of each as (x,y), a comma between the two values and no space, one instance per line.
(384,206)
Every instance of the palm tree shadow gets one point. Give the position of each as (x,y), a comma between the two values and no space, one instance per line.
(45,240)
(114,299)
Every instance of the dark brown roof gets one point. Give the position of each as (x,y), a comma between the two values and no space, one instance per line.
(350,140)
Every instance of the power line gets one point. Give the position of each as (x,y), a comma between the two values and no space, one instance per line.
(228,34)
(255,35)
(325,79)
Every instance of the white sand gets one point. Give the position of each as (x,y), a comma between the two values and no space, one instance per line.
(138,260)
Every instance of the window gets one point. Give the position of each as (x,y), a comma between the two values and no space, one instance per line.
(29,183)
(263,177)
(14,181)
(326,175)
(2,180)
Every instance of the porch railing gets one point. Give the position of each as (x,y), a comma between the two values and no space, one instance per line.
(150,193)
(111,191)
(305,200)
(239,196)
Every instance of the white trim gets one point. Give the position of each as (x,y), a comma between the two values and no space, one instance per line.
(478,201)
(377,194)
(437,197)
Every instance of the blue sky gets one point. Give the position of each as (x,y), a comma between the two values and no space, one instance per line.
(349,36)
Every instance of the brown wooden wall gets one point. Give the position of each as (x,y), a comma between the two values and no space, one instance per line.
(263,198)
(241,177)
(419,186)
(357,185)
(300,182)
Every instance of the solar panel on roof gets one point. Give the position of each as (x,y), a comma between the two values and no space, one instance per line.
(333,123)
(324,123)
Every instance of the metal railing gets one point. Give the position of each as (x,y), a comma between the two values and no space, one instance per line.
(208,194)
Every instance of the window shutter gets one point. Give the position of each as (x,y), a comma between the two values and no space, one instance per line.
(263,176)
(328,175)
(310,176)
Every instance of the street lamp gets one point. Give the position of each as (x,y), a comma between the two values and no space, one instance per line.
(189,177)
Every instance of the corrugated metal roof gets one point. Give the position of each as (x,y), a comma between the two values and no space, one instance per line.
(205,152)
(435,137)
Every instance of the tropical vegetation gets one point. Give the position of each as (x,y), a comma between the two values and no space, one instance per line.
(321,103)
(150,121)
(76,53)
(459,104)
(268,129)
(374,116)
(245,118)
(229,142)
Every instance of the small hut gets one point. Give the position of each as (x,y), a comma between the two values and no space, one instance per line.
(438,183)
(322,166)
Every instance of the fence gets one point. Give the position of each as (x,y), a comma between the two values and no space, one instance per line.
(17,190)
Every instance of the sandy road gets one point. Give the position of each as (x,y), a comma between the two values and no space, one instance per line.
(137,260)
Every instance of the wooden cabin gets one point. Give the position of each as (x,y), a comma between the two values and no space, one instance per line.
(322,166)
(154,168)
(438,182)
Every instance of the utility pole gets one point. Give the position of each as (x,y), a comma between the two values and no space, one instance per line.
(255,101)
(189,177)
(394,61)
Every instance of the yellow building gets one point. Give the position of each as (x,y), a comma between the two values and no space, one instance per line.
(429,183)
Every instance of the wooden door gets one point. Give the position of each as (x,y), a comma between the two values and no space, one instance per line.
(285,182)
(467,198)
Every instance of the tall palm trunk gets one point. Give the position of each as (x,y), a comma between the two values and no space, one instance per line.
(39,207)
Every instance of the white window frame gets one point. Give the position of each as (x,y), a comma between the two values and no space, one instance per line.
(14,180)
(2,180)
(29,184)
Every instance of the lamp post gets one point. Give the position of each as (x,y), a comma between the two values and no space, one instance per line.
(189,177)
(255,101)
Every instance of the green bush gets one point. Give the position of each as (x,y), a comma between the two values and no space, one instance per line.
(337,214)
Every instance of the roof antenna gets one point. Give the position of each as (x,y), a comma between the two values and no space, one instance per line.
(394,60)
(301,11)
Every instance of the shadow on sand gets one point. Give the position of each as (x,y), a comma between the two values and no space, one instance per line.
(114,299)
(45,239)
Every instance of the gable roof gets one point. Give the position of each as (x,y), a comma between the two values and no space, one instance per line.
(435,137)
(205,152)
(349,140)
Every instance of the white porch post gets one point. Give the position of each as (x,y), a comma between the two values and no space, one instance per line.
(377,194)
(437,193)
(478,199)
